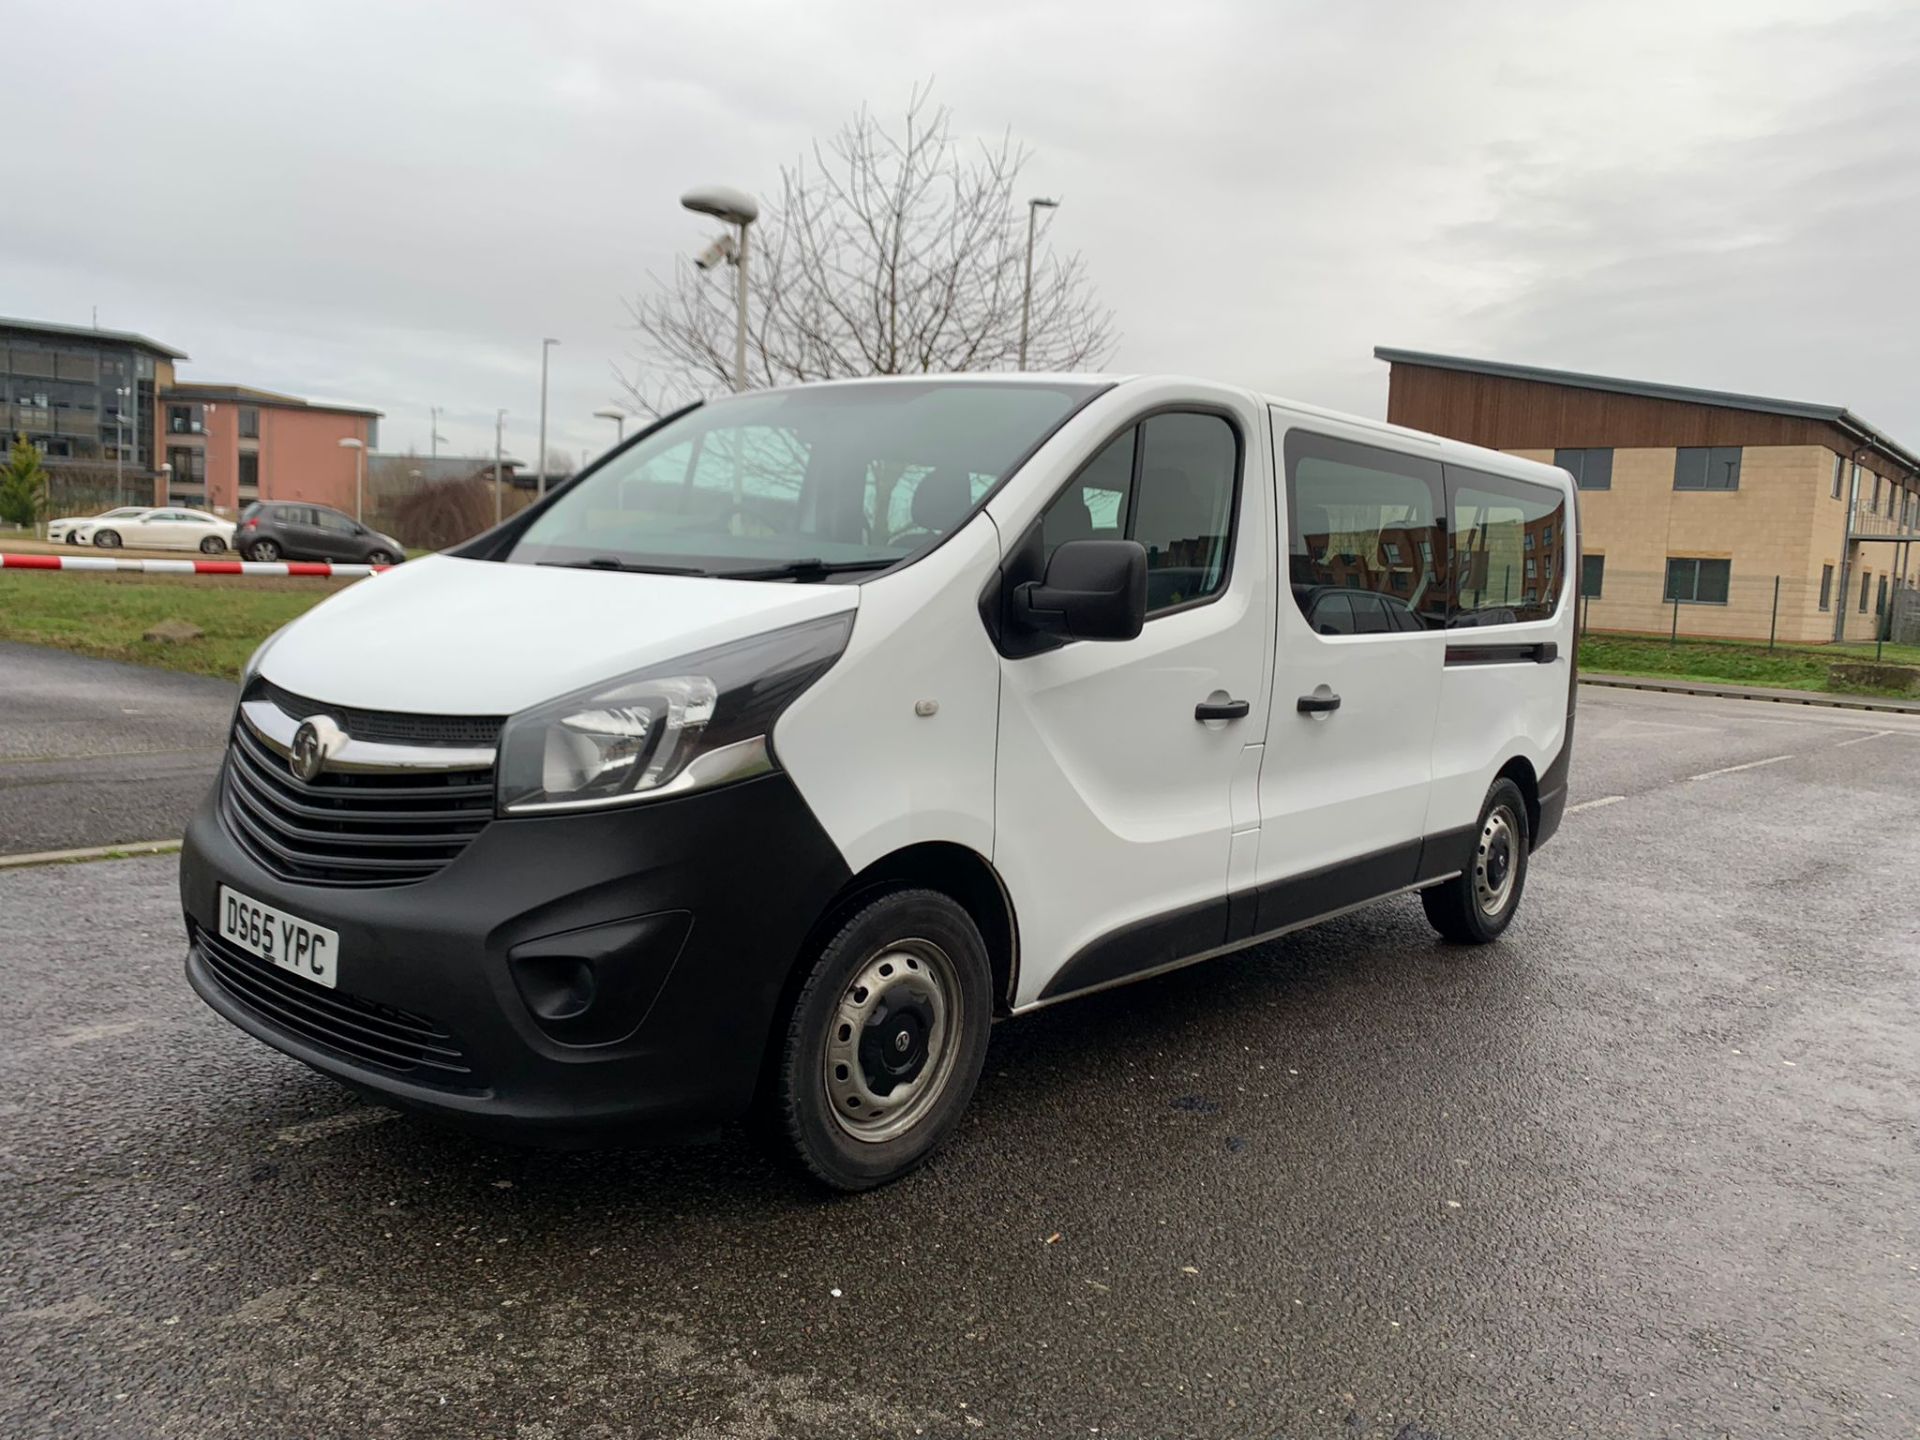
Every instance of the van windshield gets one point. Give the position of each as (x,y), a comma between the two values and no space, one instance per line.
(799,482)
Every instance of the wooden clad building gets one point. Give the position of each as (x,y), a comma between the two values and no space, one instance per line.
(1757,515)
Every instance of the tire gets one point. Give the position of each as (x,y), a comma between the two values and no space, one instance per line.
(212,545)
(918,950)
(1476,906)
(264,550)
(381,557)
(107,539)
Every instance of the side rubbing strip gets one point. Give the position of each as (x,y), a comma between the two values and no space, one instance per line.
(1543,653)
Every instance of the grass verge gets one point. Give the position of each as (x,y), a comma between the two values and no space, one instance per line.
(1783,668)
(107,615)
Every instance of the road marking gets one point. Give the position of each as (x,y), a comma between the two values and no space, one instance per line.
(1730,769)
(1595,804)
(110,755)
(309,1131)
(97,852)
(85,1034)
(1861,739)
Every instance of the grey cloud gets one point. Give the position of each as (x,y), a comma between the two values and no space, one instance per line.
(393,204)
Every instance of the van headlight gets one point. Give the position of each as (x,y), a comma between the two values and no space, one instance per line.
(667,730)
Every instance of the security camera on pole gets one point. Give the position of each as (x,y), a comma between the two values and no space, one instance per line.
(734,207)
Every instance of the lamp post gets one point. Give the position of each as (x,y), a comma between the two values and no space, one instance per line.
(619,418)
(359,449)
(733,207)
(120,443)
(499,420)
(540,458)
(1034,207)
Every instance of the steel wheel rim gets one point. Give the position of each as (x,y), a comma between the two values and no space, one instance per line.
(266,550)
(1496,862)
(910,988)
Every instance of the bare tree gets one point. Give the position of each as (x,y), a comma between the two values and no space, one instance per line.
(886,254)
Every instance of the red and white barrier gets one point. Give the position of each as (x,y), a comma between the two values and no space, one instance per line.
(189,567)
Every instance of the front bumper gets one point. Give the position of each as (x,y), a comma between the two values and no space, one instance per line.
(691,913)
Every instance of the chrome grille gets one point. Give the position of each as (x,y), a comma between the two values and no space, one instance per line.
(362,1030)
(387,815)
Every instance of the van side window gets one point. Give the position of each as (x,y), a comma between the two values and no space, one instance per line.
(1509,548)
(1169,483)
(1365,521)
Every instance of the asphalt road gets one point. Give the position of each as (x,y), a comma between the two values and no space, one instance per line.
(93,752)
(1645,1168)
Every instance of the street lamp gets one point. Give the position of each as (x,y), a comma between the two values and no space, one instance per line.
(540,459)
(733,207)
(359,470)
(619,418)
(433,432)
(499,420)
(120,442)
(1034,207)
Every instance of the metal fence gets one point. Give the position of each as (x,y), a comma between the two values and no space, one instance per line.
(1703,602)
(89,489)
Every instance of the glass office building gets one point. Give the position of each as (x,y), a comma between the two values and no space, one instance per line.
(86,397)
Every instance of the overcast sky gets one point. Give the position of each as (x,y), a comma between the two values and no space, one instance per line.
(390,204)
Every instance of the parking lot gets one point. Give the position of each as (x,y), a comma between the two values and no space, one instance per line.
(1647,1167)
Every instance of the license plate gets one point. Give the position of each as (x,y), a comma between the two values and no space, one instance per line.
(310,951)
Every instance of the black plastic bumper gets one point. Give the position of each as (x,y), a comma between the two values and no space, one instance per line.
(1553,789)
(598,972)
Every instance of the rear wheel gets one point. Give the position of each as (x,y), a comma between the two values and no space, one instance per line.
(107,539)
(885,1041)
(264,550)
(1475,906)
(212,545)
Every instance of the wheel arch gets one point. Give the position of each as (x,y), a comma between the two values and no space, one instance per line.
(962,874)
(1521,772)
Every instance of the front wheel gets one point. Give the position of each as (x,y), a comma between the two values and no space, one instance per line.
(263,550)
(212,545)
(885,1041)
(1475,906)
(107,539)
(380,557)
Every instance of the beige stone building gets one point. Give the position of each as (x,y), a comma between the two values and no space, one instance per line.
(1711,513)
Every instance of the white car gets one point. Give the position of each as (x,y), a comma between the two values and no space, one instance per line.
(66,531)
(165,528)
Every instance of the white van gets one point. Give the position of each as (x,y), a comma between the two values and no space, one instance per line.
(768,762)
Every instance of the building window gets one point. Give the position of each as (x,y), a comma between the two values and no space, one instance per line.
(1826,587)
(1704,467)
(185,420)
(1591,469)
(1698,582)
(1593,574)
(1880,602)
(1866,580)
(249,475)
(1839,473)
(249,423)
(1873,505)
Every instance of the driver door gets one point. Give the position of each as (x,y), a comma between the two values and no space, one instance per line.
(1124,815)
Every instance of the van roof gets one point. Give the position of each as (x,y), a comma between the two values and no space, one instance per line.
(1442,448)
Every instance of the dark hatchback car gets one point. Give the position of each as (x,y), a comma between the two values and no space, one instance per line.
(293,530)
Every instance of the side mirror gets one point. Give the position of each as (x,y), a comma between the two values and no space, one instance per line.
(1094,590)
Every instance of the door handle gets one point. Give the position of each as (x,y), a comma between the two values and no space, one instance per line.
(1317,704)
(1221,710)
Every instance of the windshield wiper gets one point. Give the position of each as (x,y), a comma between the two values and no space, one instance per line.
(811,567)
(634,567)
